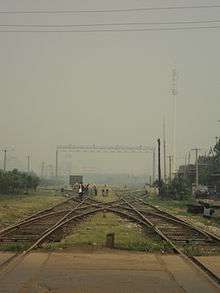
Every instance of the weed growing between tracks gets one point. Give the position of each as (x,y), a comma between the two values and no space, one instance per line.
(193,250)
(128,235)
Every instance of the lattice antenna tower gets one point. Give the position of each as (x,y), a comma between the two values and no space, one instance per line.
(174,91)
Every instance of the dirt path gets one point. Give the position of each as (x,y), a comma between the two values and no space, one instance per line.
(102,271)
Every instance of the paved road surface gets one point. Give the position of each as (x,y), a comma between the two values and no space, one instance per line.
(102,271)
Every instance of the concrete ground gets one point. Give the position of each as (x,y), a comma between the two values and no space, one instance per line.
(212,263)
(102,271)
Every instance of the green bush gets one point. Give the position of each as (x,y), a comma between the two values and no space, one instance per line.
(15,182)
(179,188)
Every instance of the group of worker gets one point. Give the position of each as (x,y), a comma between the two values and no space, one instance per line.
(91,190)
(86,190)
(105,192)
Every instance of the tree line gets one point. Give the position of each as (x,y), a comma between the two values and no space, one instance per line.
(209,167)
(209,175)
(15,182)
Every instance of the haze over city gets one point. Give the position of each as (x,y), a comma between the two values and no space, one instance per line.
(110,146)
(106,88)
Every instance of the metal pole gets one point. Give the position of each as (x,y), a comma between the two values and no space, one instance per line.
(185,167)
(5,160)
(159,167)
(189,158)
(170,168)
(197,170)
(28,164)
(197,167)
(154,164)
(174,93)
(164,152)
(56,167)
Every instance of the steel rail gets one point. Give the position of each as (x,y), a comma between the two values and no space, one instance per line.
(31,220)
(176,219)
(65,220)
(58,225)
(51,208)
(171,219)
(126,215)
(207,233)
(143,221)
(17,258)
(35,219)
(36,214)
(190,259)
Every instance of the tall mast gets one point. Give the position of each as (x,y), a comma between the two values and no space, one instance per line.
(164,151)
(174,94)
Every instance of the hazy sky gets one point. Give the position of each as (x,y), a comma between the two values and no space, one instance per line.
(106,87)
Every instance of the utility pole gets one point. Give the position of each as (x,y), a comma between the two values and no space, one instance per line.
(187,162)
(164,152)
(185,168)
(197,167)
(159,167)
(174,94)
(56,165)
(170,168)
(5,160)
(28,164)
(5,150)
(189,158)
(154,164)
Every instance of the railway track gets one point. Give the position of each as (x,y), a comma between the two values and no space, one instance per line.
(178,233)
(52,224)
(47,225)
(40,220)
(55,223)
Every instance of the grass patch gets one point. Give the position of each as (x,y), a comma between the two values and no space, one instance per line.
(14,246)
(197,250)
(128,235)
(174,206)
(193,250)
(112,196)
(179,208)
(14,208)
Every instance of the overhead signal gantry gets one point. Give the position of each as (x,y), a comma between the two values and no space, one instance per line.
(106,149)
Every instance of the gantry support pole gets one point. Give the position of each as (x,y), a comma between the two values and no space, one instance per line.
(56,165)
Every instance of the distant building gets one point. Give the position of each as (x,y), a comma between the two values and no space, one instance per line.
(215,181)
(188,170)
(73,179)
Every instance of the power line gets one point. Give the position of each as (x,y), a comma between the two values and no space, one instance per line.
(109,10)
(113,30)
(112,24)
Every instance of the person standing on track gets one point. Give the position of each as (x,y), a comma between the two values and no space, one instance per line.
(95,190)
(81,191)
